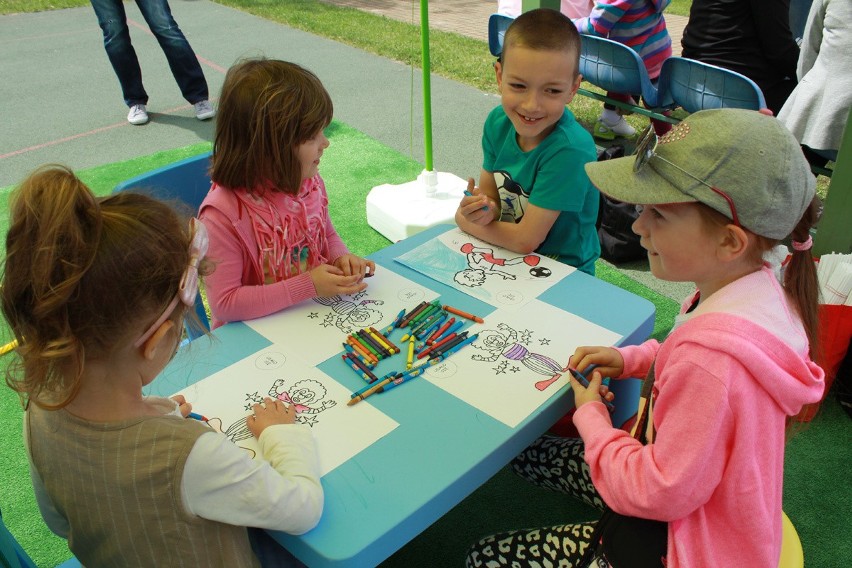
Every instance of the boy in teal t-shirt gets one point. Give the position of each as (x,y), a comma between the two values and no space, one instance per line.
(535,151)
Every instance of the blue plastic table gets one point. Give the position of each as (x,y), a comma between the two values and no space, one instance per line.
(443,449)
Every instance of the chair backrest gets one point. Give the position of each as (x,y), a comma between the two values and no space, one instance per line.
(11,553)
(613,66)
(187,181)
(497,26)
(695,86)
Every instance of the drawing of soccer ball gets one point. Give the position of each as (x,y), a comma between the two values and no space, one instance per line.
(540,271)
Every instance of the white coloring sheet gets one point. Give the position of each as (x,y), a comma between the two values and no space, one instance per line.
(492,274)
(226,399)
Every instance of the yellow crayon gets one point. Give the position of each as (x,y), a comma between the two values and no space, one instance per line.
(410,360)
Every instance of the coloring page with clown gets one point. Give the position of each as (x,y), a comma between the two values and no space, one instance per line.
(317,328)
(490,273)
(518,360)
(226,398)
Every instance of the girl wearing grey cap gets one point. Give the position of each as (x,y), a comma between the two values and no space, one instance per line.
(699,479)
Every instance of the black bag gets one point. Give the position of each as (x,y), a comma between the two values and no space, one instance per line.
(618,241)
(623,541)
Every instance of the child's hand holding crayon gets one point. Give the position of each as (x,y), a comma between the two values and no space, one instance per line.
(475,206)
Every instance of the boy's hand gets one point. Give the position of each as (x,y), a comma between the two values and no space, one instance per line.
(476,207)
(355,265)
(608,360)
(270,413)
(331,281)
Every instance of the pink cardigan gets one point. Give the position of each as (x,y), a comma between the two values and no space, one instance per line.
(726,380)
(237,290)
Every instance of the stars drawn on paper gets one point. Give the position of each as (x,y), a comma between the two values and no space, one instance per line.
(500,368)
(313,315)
(252,399)
(526,337)
(544,341)
(328,321)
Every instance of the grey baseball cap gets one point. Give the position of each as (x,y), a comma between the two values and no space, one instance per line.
(749,156)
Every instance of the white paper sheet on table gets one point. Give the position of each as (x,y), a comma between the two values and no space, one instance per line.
(316,329)
(341,432)
(492,274)
(517,361)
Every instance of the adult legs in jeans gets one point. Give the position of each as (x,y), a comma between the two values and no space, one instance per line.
(182,60)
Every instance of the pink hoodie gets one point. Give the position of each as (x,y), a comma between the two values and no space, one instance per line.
(726,379)
(238,289)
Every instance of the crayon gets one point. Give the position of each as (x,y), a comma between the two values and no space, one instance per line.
(436,345)
(410,360)
(420,326)
(427,323)
(581,378)
(407,317)
(440,331)
(387,343)
(364,389)
(452,329)
(370,345)
(447,345)
(361,350)
(377,340)
(433,325)
(466,315)
(197,417)
(360,369)
(469,194)
(402,377)
(351,351)
(11,346)
(459,346)
(396,320)
(427,312)
(372,390)
(349,363)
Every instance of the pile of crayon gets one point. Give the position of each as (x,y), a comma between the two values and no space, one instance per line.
(434,333)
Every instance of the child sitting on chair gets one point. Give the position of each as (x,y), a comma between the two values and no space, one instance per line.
(96,291)
(533,194)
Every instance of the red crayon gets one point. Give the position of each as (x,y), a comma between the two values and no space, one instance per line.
(440,331)
(435,346)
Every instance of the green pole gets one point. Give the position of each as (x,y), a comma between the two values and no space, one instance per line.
(427,83)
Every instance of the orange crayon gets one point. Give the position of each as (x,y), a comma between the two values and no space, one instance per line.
(466,315)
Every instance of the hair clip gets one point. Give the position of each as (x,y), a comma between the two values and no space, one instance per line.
(188,288)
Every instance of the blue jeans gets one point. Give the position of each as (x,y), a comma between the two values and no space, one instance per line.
(181,58)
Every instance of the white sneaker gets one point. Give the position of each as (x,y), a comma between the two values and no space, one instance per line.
(138,115)
(620,128)
(204,110)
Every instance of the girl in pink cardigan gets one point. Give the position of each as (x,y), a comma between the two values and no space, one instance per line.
(718,192)
(267,211)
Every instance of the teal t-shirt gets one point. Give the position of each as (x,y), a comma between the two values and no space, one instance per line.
(551,176)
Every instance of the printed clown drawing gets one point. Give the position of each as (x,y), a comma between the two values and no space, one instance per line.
(504,342)
(349,316)
(305,395)
(482,263)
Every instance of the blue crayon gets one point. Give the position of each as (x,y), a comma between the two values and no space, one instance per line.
(581,378)
(403,377)
(396,321)
(469,194)
(197,417)
(436,324)
(374,383)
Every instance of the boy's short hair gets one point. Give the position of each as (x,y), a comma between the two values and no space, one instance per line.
(267,109)
(546,30)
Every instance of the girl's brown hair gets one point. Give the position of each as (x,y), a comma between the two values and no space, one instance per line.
(800,279)
(267,108)
(82,277)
